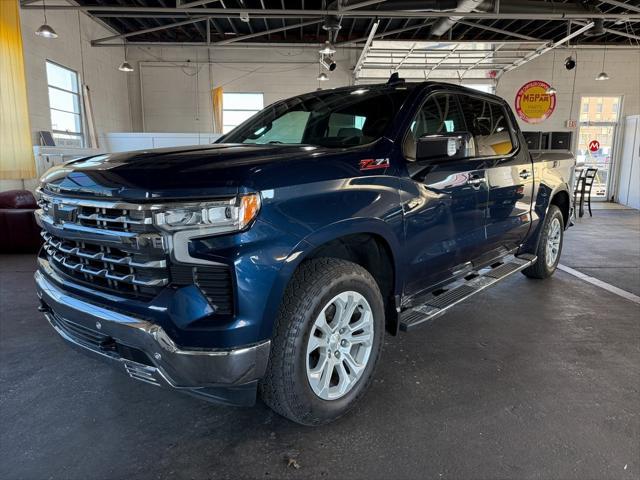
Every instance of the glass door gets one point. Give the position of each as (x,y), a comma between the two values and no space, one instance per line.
(596,138)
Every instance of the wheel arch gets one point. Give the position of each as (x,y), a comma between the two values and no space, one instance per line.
(562,200)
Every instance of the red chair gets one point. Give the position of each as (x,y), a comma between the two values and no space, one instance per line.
(19,232)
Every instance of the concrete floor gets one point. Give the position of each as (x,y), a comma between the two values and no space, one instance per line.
(533,379)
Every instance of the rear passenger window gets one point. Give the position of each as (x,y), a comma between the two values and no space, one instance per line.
(439,114)
(488,123)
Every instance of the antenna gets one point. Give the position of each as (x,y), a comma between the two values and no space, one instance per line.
(395,78)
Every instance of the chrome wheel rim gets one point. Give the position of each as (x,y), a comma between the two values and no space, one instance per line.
(553,242)
(339,345)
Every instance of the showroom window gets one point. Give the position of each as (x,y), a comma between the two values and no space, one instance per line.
(237,107)
(65,106)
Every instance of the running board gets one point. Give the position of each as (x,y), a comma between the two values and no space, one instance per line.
(462,289)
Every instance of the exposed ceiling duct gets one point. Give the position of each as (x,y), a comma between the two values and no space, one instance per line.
(443,25)
(332,23)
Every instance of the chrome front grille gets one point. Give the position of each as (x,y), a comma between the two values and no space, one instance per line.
(121,218)
(110,246)
(109,263)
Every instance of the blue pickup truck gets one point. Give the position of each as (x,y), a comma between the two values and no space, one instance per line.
(272,262)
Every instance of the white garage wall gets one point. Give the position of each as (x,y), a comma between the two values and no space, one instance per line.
(623,67)
(163,91)
(109,93)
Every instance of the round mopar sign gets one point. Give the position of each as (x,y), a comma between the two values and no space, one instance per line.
(533,104)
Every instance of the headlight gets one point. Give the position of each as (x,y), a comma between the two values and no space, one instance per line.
(221,216)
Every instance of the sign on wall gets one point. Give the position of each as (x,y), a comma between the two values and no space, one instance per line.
(533,104)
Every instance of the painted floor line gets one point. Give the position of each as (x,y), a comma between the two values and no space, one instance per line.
(599,283)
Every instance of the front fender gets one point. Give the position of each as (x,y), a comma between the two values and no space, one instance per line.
(307,246)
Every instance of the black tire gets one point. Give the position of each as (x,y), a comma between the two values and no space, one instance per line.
(285,387)
(542,269)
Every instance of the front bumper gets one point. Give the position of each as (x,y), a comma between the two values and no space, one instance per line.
(145,352)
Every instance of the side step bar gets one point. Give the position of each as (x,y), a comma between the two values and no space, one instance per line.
(458,291)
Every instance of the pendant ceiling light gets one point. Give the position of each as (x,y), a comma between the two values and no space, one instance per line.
(323,77)
(552,90)
(125,66)
(603,75)
(45,30)
(327,49)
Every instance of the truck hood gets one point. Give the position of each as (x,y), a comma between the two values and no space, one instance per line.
(203,171)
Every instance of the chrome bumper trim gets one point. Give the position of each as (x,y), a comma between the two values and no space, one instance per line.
(172,366)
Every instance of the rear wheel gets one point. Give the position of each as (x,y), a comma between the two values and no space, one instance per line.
(549,247)
(327,342)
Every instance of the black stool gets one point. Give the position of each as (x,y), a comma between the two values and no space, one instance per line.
(584,184)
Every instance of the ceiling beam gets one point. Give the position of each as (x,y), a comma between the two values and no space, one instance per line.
(366,3)
(314,46)
(626,6)
(384,34)
(101,41)
(148,30)
(266,32)
(285,13)
(615,32)
(197,3)
(496,30)
(545,49)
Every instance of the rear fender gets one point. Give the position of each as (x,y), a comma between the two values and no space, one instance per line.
(543,201)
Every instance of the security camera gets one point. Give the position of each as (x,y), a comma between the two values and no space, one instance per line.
(328,62)
(569,63)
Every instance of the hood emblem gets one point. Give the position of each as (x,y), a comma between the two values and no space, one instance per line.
(62,213)
(374,163)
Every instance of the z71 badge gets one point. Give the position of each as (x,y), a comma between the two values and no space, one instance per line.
(374,163)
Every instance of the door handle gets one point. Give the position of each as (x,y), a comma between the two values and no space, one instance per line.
(475,181)
(525,174)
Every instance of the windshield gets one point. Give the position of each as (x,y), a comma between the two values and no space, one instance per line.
(330,119)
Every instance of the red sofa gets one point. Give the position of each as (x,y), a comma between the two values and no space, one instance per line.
(19,232)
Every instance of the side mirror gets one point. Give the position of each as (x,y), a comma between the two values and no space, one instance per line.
(444,146)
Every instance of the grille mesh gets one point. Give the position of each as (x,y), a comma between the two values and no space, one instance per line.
(215,282)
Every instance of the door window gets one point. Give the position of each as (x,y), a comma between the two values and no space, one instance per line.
(439,114)
(488,122)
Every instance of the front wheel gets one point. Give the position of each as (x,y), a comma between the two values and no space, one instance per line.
(549,246)
(327,342)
